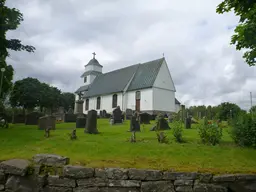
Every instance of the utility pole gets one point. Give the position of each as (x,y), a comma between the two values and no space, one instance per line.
(251,98)
(251,103)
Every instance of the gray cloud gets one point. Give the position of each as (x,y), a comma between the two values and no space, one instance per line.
(194,39)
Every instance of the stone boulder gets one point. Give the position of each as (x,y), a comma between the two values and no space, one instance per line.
(15,166)
(51,160)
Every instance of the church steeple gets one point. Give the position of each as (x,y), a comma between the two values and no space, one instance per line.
(92,69)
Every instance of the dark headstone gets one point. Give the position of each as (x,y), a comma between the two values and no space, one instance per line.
(91,122)
(47,122)
(18,118)
(107,115)
(32,118)
(162,124)
(104,112)
(145,118)
(101,114)
(128,114)
(153,117)
(70,118)
(188,122)
(134,123)
(80,122)
(117,115)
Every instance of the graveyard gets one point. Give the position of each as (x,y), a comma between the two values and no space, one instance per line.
(112,147)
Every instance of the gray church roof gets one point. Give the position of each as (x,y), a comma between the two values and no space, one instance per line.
(91,73)
(94,61)
(177,102)
(112,82)
(82,88)
(142,75)
(145,75)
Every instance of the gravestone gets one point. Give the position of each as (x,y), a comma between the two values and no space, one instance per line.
(188,122)
(47,121)
(117,115)
(91,122)
(81,119)
(18,118)
(70,117)
(101,114)
(104,112)
(145,118)
(70,110)
(134,123)
(162,124)
(32,118)
(128,114)
(80,122)
(60,115)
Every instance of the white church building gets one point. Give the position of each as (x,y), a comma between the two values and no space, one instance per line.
(145,87)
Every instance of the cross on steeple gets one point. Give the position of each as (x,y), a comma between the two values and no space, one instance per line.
(94,55)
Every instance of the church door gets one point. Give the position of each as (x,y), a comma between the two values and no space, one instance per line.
(137,98)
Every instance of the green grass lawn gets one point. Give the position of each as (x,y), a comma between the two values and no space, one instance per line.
(111,148)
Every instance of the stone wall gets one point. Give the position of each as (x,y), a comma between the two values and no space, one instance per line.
(51,173)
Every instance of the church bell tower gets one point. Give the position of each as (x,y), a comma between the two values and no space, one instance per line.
(91,71)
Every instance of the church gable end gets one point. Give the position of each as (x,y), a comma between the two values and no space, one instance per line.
(164,79)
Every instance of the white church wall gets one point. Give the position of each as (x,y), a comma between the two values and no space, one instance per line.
(146,103)
(163,100)
(93,68)
(106,103)
(164,79)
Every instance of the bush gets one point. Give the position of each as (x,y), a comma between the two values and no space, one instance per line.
(210,133)
(243,130)
(177,131)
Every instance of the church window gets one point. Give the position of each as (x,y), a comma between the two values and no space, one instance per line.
(98,103)
(85,79)
(87,104)
(114,101)
(137,95)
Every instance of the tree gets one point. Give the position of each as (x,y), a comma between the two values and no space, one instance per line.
(10,19)
(67,100)
(244,37)
(228,110)
(26,93)
(253,109)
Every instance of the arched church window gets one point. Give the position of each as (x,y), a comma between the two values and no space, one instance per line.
(87,104)
(98,103)
(114,101)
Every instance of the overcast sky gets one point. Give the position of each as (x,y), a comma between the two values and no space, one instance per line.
(195,41)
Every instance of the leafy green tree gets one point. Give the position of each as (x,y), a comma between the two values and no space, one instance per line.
(26,93)
(67,100)
(244,37)
(253,109)
(10,19)
(228,110)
